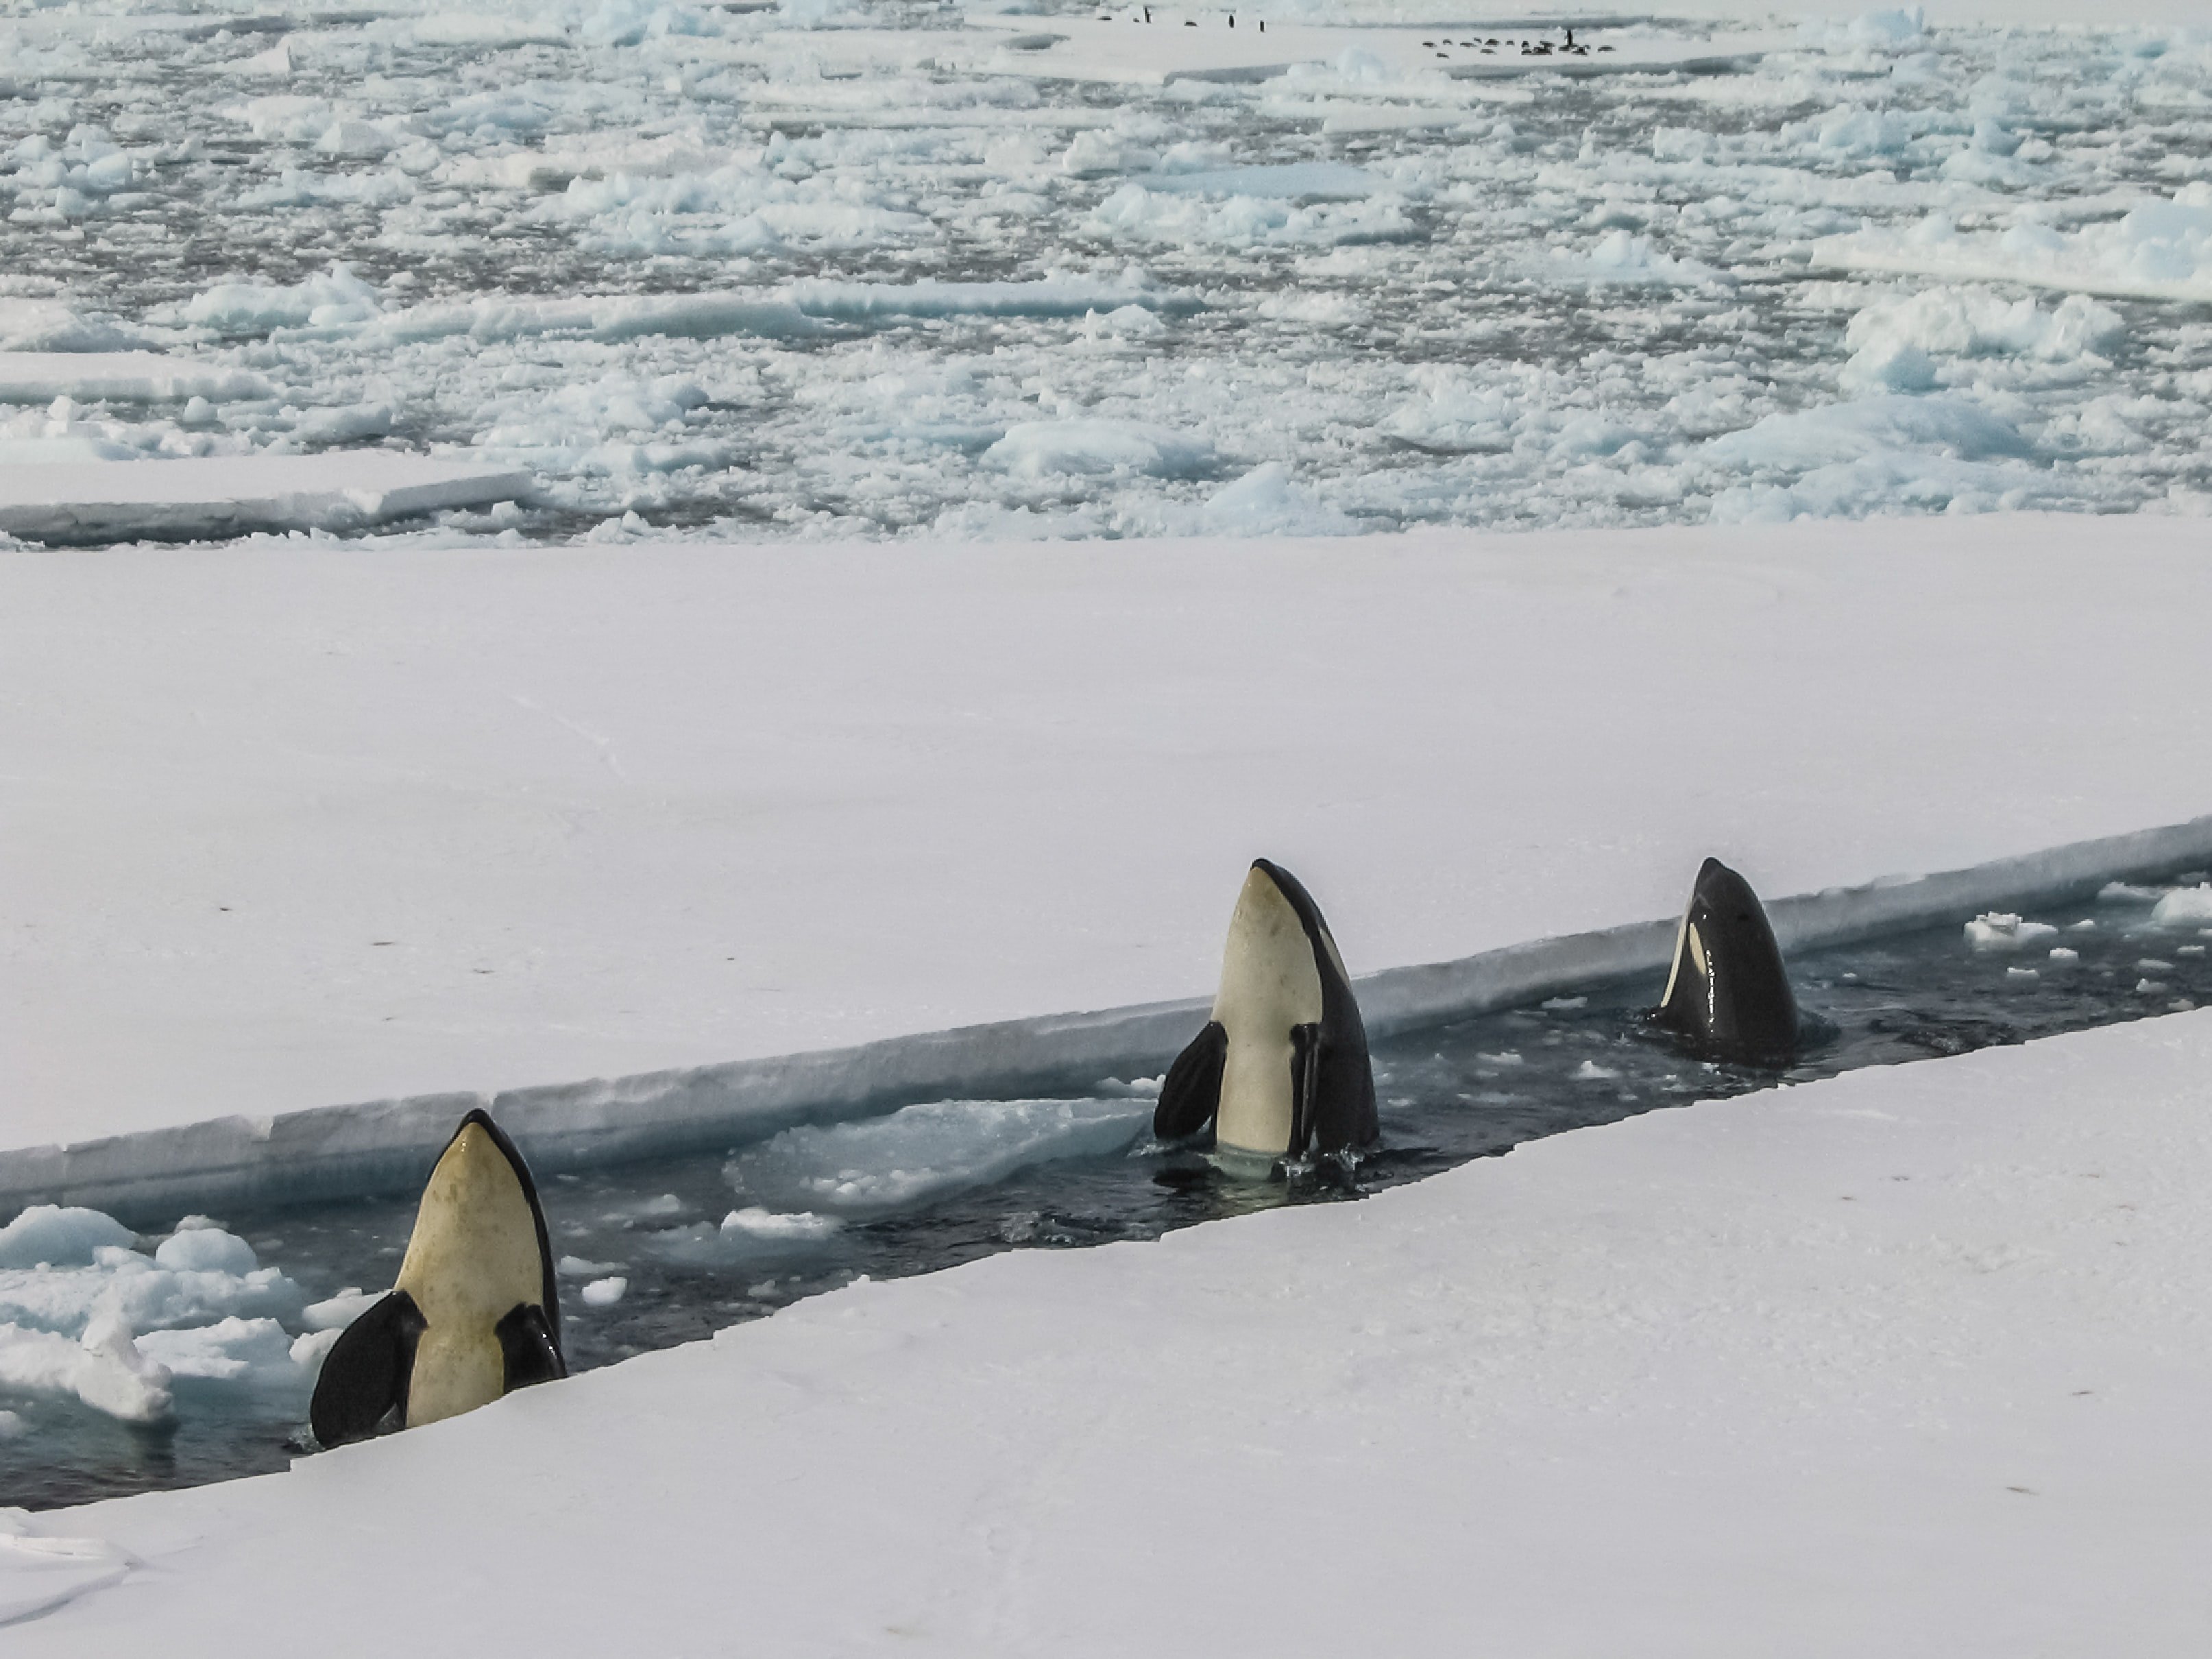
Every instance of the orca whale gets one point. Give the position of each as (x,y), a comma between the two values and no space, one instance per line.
(1728,996)
(1281,1069)
(475,1313)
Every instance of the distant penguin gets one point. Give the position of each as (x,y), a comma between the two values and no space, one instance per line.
(1281,1069)
(1728,996)
(475,1313)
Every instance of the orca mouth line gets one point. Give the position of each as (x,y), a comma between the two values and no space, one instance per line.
(657,1253)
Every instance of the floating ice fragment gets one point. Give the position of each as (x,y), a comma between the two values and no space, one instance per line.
(1590,1072)
(574,1266)
(1559,1004)
(2185,907)
(47,1234)
(1038,449)
(254,1352)
(335,1313)
(334,299)
(1266,501)
(104,1368)
(1507,1057)
(206,1249)
(604,1292)
(1997,931)
(2059,953)
(923,1152)
(754,1222)
(12,1425)
(2022,973)
(276,64)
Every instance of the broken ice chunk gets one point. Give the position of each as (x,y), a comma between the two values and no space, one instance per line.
(1997,931)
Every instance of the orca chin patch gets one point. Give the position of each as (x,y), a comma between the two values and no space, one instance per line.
(1728,995)
(1281,1069)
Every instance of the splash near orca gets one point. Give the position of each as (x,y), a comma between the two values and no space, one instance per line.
(475,1311)
(1281,1070)
(1728,996)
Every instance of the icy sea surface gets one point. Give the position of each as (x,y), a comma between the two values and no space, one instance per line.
(128,1363)
(827,269)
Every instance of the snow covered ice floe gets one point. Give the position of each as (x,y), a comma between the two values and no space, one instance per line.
(121,377)
(1502,651)
(105,499)
(2160,248)
(41,1570)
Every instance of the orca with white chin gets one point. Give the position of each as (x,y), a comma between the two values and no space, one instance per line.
(1281,1070)
(1727,997)
(475,1311)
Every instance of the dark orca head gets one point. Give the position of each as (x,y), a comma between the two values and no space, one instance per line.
(1728,996)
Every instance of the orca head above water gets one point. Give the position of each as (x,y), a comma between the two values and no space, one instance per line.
(1281,1069)
(1727,995)
(475,1312)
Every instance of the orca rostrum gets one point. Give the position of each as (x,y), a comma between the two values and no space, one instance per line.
(1281,1069)
(1728,996)
(475,1313)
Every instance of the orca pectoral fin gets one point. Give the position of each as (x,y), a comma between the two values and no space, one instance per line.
(364,1376)
(1190,1094)
(526,1342)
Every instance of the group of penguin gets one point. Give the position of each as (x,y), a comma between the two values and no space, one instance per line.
(1280,1072)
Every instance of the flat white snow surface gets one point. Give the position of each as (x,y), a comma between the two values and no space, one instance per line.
(291,830)
(1910,1362)
(827,270)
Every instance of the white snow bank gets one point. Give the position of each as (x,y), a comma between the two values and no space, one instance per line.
(232,495)
(1687,1385)
(40,1571)
(925,1152)
(142,377)
(707,822)
(2160,249)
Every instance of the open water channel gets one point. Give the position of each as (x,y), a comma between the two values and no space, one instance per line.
(658,1253)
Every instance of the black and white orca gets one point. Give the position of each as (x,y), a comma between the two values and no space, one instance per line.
(1281,1069)
(475,1311)
(1728,996)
